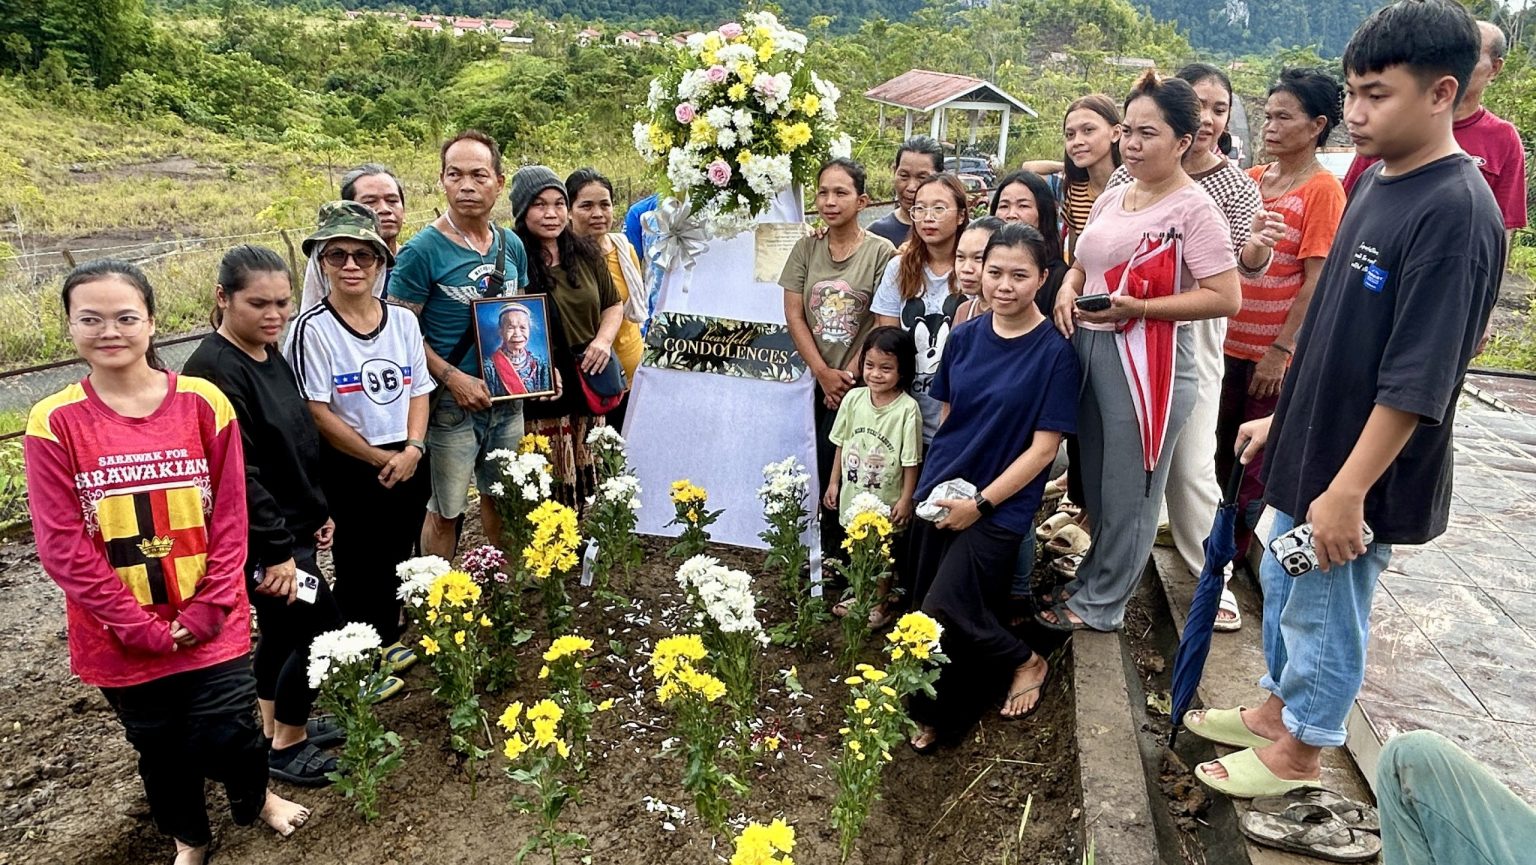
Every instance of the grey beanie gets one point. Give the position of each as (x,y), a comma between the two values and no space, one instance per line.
(527,183)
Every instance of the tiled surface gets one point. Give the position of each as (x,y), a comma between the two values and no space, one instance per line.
(1453,629)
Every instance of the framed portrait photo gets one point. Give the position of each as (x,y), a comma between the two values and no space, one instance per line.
(513,345)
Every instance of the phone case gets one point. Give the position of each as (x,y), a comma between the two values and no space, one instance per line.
(1295,552)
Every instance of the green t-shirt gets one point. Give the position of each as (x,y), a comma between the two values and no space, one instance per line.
(444,278)
(877,442)
(581,294)
(836,294)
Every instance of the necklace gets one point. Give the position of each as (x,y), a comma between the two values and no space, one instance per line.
(470,243)
(832,249)
(1151,196)
(1272,174)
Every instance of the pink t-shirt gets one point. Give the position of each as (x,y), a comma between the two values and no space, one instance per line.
(1494,144)
(1113,234)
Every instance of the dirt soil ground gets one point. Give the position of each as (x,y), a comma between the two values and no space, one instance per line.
(69,792)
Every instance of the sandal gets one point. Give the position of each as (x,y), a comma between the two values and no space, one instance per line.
(1228,605)
(1044,681)
(302,764)
(1248,777)
(1055,523)
(390,686)
(1224,727)
(1311,830)
(1055,488)
(1069,540)
(1063,622)
(324,731)
(1066,567)
(840,609)
(879,617)
(1355,815)
(399,657)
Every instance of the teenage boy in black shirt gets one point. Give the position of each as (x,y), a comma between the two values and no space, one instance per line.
(1362,432)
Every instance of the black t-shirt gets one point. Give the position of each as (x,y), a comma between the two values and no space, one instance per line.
(891,228)
(1400,306)
(282,446)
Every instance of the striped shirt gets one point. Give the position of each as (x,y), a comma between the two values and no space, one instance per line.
(1311,212)
(367,378)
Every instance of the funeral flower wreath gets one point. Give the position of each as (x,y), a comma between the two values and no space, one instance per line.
(737,118)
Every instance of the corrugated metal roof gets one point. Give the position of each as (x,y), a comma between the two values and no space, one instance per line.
(924,90)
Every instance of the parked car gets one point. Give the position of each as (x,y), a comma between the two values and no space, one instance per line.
(979,166)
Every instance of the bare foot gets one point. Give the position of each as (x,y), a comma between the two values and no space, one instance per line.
(186,854)
(282,815)
(1025,692)
(925,737)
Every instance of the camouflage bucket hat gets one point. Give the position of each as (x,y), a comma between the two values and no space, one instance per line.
(352,221)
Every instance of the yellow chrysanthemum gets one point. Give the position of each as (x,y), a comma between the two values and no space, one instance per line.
(605,705)
(658,137)
(515,747)
(701,132)
(454,588)
(545,710)
(736,92)
(458,638)
(810,104)
(864,523)
(757,844)
(469,617)
(744,157)
(765,51)
(509,717)
(544,672)
(685,492)
(533,443)
(569,644)
(861,705)
(792,136)
(874,675)
(485,621)
(561,748)
(555,538)
(430,645)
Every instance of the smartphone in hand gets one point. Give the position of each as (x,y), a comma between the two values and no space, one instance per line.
(1094,302)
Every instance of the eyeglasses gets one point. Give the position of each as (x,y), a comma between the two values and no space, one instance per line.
(365,258)
(921,213)
(95,325)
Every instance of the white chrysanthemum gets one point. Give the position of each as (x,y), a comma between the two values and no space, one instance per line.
(416,576)
(724,593)
(621,490)
(718,117)
(725,138)
(351,642)
(642,133)
(656,97)
(696,40)
(605,437)
(768,175)
(683,169)
(693,82)
(868,502)
(736,54)
(840,147)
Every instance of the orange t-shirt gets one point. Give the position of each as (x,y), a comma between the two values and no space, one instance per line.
(1311,212)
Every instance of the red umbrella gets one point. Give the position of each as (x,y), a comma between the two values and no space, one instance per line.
(1147,345)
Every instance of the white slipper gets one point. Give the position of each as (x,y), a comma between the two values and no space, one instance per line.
(1228,603)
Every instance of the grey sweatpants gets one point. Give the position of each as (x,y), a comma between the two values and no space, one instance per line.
(1122,511)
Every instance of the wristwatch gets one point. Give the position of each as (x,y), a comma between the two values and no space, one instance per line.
(417,444)
(984,507)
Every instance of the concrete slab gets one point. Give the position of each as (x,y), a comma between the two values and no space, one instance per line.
(1117,816)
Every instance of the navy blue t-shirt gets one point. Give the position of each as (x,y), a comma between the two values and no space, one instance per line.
(1000,392)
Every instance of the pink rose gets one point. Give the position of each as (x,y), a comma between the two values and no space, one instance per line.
(685,113)
(719,172)
(716,74)
(731,30)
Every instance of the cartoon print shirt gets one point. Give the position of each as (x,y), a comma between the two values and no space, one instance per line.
(878,442)
(929,319)
(142,522)
(837,294)
(444,278)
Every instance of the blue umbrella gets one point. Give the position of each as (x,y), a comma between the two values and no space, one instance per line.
(1195,647)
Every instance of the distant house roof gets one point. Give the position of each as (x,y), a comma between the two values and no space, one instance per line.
(424,25)
(922,90)
(503,24)
(590,32)
(468,23)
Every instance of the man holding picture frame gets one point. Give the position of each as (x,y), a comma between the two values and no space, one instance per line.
(461,257)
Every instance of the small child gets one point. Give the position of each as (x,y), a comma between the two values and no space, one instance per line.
(879,435)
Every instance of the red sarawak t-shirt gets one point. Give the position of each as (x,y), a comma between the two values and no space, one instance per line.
(1494,144)
(142,522)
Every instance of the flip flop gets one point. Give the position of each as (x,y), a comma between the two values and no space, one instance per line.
(390,686)
(1046,680)
(1248,777)
(1055,523)
(1355,815)
(1311,830)
(1069,540)
(1224,727)
(1066,567)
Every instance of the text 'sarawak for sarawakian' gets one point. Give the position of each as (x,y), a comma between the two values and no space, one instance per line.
(137,468)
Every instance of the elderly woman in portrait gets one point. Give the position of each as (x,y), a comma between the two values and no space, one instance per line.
(512,369)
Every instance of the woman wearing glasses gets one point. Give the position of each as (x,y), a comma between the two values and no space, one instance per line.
(137,491)
(362,366)
(919,292)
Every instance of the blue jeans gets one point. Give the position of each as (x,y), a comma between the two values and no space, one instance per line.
(1315,631)
(1440,807)
(458,441)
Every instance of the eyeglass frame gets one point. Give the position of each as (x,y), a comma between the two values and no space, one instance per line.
(352,255)
(127,330)
(919,213)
